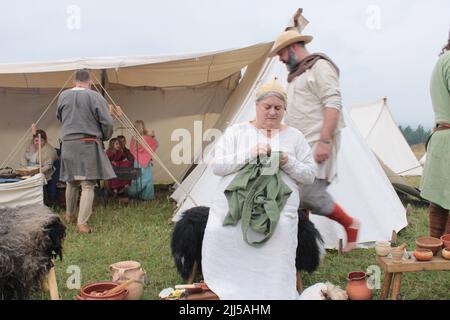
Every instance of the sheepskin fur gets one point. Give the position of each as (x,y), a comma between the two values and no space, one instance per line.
(30,237)
(187,238)
(310,244)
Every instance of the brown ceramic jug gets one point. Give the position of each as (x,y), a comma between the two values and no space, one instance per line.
(125,270)
(357,286)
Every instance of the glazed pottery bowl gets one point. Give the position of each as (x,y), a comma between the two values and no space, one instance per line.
(434,244)
(423,254)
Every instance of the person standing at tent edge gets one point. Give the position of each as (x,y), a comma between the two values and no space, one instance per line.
(435,184)
(86,122)
(314,108)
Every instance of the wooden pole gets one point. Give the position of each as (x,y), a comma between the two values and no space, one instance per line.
(40,153)
(299,282)
(193,273)
(52,285)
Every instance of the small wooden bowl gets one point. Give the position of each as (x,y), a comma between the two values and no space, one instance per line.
(434,244)
(446,253)
(423,254)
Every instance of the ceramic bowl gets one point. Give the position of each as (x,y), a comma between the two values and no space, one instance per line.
(434,244)
(382,248)
(446,253)
(87,292)
(446,240)
(423,254)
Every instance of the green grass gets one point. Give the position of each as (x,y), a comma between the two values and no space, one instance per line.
(141,231)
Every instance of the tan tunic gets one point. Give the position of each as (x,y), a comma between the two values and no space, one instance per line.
(308,95)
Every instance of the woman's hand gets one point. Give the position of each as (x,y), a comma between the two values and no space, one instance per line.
(260,148)
(284,159)
(322,152)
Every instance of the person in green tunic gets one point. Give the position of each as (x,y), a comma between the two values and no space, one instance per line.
(435,182)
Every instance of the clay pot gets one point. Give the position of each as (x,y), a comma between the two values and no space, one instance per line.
(382,248)
(446,253)
(446,240)
(434,244)
(125,270)
(85,292)
(423,254)
(357,286)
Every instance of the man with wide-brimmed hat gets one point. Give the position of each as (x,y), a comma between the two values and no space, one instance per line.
(314,107)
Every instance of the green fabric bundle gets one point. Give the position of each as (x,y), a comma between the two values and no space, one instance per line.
(257,195)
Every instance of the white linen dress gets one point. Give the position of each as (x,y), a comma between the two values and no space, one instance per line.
(232,268)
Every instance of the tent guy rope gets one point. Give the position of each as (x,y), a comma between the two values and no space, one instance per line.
(30,129)
(118,113)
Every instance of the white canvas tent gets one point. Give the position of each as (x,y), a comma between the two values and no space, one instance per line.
(362,188)
(170,93)
(379,129)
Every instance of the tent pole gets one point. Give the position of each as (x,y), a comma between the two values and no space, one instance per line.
(103,80)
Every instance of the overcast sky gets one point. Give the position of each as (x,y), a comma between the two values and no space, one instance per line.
(383,47)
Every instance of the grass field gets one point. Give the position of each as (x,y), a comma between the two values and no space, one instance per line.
(141,231)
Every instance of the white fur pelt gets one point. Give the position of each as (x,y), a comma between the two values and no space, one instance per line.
(30,237)
(323,291)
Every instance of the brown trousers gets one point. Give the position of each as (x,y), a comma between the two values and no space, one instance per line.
(439,221)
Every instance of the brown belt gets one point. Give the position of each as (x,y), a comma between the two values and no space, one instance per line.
(441,127)
(438,127)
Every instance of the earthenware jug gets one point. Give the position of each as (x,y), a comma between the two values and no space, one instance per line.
(124,270)
(357,288)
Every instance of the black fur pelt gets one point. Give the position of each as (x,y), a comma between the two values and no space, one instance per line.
(187,238)
(30,237)
(308,244)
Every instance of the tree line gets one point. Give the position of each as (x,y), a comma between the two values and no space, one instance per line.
(417,136)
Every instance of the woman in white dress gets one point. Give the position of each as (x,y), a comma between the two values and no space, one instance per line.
(231,267)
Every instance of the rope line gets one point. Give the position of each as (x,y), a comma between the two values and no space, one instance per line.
(27,132)
(118,113)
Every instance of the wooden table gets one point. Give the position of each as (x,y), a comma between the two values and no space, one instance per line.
(394,271)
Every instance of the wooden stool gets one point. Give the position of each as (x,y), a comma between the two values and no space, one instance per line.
(394,271)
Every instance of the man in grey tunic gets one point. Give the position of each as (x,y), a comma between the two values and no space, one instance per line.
(86,122)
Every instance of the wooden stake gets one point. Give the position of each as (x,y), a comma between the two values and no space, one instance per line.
(341,245)
(299,282)
(394,237)
(52,285)
(193,273)
(33,129)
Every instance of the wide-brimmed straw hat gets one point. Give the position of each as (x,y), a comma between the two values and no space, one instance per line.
(287,38)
